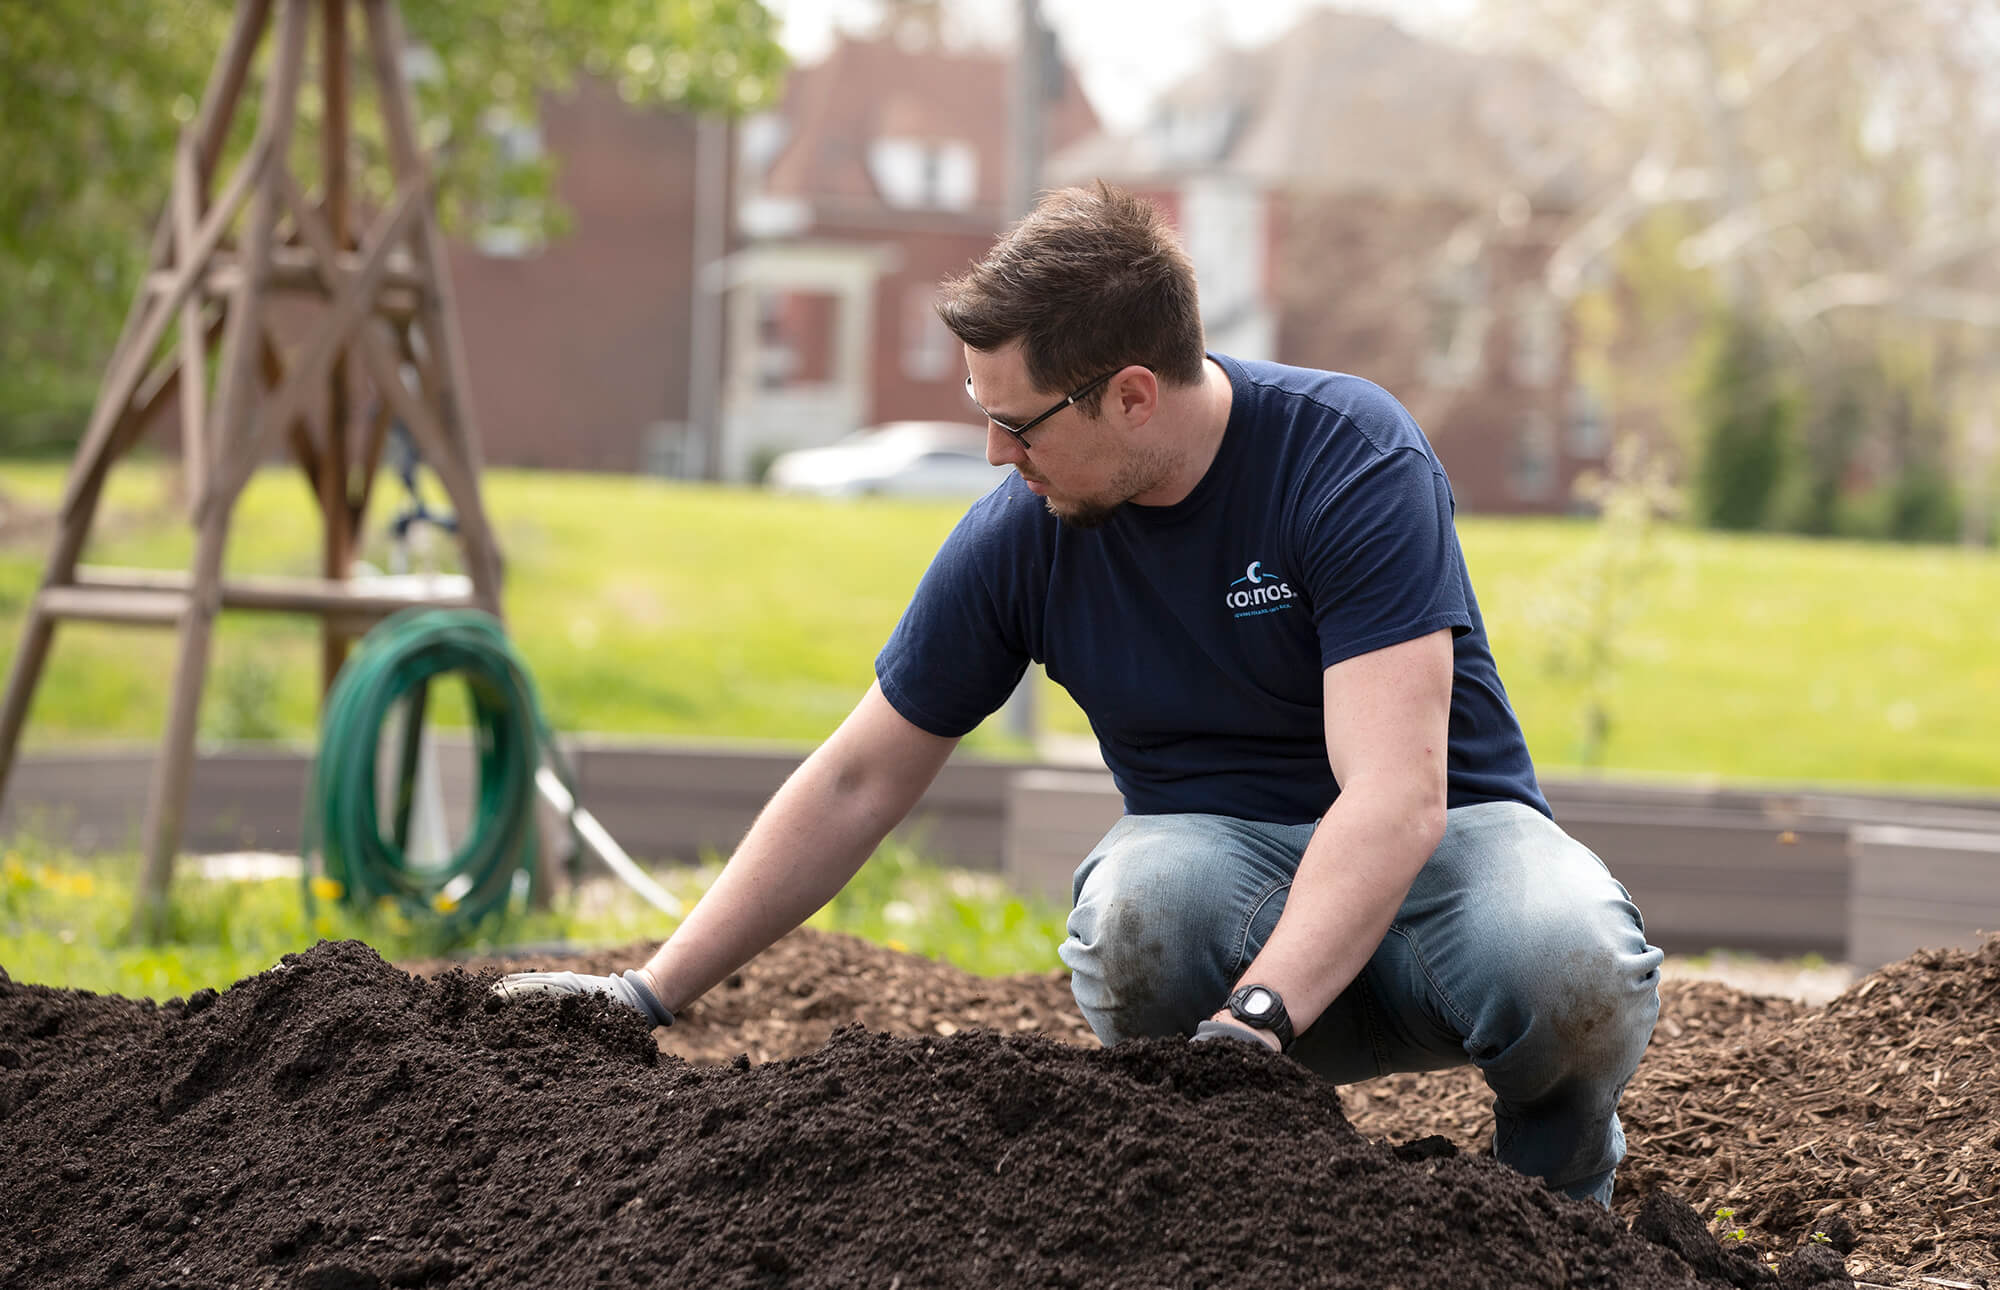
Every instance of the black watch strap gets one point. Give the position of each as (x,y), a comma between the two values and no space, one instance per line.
(1261,1008)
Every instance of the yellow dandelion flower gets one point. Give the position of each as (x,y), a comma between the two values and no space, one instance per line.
(327,889)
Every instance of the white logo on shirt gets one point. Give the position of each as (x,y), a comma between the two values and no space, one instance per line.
(1265,594)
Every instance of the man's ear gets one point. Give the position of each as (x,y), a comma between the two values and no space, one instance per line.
(1133,395)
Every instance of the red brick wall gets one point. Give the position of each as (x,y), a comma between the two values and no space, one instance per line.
(576,348)
(925,259)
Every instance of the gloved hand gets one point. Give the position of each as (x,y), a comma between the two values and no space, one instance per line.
(1216,1030)
(629,988)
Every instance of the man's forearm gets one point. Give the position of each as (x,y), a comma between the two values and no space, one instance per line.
(1354,876)
(812,836)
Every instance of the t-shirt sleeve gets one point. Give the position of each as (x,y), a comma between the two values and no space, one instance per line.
(962,644)
(1382,559)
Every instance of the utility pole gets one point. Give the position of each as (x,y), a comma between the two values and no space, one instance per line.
(1024,179)
(711,244)
(1029,107)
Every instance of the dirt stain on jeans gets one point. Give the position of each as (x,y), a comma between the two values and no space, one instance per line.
(1135,962)
(1594,1003)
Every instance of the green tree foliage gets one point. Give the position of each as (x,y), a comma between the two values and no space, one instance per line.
(1871,413)
(1746,416)
(1832,428)
(92,97)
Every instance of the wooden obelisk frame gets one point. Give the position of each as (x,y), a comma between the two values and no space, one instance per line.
(386,305)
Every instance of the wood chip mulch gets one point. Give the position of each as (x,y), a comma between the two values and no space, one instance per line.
(1881,1108)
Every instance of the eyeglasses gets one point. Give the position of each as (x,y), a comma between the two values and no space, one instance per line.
(1020,432)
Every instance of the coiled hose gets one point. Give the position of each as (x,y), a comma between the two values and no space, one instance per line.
(388,675)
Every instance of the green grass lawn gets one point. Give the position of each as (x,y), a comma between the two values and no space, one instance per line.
(647,607)
(63,922)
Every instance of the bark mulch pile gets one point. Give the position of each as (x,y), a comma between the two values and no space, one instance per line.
(336,1123)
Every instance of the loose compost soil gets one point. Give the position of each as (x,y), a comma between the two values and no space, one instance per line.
(337,1123)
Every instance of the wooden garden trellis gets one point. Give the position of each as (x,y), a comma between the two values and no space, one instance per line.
(387,305)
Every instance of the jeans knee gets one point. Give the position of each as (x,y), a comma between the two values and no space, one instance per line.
(1583,1005)
(1134,950)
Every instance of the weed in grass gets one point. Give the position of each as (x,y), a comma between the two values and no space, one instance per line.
(1592,600)
(244,702)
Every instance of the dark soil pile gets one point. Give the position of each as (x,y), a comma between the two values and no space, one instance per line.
(789,1000)
(336,1123)
(1881,1110)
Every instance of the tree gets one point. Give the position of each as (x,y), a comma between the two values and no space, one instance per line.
(1746,419)
(93,95)
(1827,162)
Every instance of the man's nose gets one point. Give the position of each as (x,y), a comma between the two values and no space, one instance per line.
(1002,448)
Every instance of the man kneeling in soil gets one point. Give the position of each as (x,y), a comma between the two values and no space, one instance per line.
(1248,577)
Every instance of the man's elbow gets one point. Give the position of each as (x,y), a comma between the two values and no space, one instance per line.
(1419,819)
(1408,814)
(1426,823)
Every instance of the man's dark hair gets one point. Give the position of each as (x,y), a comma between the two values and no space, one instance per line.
(1091,281)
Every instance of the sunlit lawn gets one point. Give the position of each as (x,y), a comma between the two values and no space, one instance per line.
(646,607)
(63,922)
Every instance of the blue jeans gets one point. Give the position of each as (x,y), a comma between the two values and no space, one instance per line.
(1515,950)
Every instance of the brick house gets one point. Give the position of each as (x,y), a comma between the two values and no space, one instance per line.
(883,171)
(579,347)
(1357,198)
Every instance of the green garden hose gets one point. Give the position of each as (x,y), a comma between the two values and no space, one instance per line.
(388,675)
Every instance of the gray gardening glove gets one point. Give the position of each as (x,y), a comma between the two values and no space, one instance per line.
(629,988)
(1216,1030)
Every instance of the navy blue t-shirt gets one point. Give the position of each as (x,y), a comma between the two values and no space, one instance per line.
(1194,636)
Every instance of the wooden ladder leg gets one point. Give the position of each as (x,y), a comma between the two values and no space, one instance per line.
(166,801)
(235,443)
(37,634)
(38,631)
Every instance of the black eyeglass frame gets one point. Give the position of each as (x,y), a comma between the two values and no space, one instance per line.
(1020,432)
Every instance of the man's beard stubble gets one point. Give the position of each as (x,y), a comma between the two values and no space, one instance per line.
(1140,476)
(1085,516)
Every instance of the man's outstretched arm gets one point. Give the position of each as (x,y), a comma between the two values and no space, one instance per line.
(810,838)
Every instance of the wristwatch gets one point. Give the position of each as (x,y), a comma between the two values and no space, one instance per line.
(1260,1008)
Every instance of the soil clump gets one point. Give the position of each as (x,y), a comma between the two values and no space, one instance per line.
(335,1122)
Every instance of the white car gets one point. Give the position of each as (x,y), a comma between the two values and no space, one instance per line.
(899,459)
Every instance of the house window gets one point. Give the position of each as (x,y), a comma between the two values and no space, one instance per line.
(1587,429)
(919,174)
(929,348)
(1531,475)
(512,225)
(1538,337)
(775,359)
(759,140)
(1194,134)
(1459,315)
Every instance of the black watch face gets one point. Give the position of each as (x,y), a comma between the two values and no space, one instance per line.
(1259,1002)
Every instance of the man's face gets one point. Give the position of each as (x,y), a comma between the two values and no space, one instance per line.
(1084,467)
